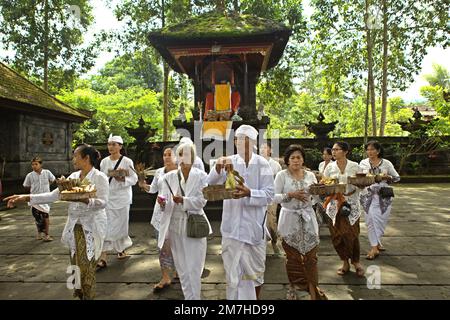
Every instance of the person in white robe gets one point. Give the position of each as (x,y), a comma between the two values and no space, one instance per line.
(344,224)
(198,163)
(165,253)
(182,190)
(243,227)
(85,228)
(376,208)
(120,199)
(271,221)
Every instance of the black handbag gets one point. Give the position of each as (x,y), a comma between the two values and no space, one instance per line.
(386,192)
(197,226)
(345,209)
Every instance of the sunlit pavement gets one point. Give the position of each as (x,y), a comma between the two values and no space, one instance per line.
(415,266)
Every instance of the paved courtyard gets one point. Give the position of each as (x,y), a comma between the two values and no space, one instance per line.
(416,264)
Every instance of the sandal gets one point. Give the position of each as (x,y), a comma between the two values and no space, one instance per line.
(101,265)
(160,287)
(39,236)
(47,238)
(122,255)
(381,248)
(341,271)
(372,255)
(291,294)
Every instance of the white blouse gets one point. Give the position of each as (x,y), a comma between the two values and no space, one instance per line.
(156,187)
(297,224)
(352,197)
(91,216)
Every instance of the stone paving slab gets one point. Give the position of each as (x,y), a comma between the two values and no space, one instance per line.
(395,270)
(415,266)
(142,291)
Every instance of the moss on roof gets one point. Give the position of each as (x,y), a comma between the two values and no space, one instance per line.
(15,87)
(216,24)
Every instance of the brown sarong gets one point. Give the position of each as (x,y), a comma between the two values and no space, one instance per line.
(302,271)
(345,238)
(87,268)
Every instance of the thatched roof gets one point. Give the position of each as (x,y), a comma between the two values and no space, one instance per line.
(18,93)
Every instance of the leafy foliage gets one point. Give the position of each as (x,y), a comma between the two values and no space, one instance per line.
(46,36)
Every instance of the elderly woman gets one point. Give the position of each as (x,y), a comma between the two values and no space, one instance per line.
(376,207)
(85,229)
(165,253)
(298,225)
(343,210)
(182,190)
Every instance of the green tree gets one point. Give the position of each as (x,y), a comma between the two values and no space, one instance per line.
(114,111)
(144,16)
(390,37)
(47,39)
(439,77)
(128,70)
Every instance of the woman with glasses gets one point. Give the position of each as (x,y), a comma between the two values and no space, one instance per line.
(298,225)
(343,210)
(376,207)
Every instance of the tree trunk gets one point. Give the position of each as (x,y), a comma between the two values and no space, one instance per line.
(236,6)
(165,84)
(166,102)
(366,117)
(385,71)
(45,49)
(370,71)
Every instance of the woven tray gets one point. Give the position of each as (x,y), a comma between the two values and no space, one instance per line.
(118,173)
(327,190)
(361,181)
(67,184)
(74,196)
(217,192)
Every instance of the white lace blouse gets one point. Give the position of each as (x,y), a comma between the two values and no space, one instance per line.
(297,224)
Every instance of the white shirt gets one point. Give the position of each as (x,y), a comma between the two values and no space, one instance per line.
(384,167)
(275,166)
(39,183)
(91,216)
(244,219)
(120,192)
(198,163)
(322,166)
(156,187)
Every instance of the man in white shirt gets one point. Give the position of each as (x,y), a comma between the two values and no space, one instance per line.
(243,219)
(266,152)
